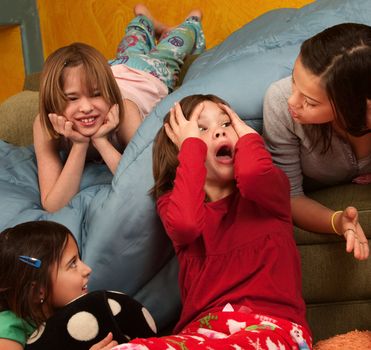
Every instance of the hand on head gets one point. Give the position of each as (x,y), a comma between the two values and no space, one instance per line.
(65,127)
(238,124)
(179,128)
(353,233)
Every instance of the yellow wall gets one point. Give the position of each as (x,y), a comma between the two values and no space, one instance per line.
(101,22)
(11,61)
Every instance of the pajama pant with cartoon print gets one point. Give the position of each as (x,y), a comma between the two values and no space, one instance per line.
(230,330)
(138,48)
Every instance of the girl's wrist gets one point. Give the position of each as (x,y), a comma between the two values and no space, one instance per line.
(80,145)
(336,222)
(99,141)
(79,139)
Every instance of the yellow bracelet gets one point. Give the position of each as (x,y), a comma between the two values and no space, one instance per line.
(332,221)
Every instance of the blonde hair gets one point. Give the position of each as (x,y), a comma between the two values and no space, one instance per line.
(97,75)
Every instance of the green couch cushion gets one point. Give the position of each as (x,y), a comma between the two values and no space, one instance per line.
(336,286)
(330,274)
(17,114)
(342,317)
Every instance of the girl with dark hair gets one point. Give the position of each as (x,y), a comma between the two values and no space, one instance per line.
(226,208)
(40,272)
(317,127)
(91,109)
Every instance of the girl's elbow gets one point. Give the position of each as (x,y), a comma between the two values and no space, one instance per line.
(188,224)
(50,207)
(183,234)
(184,238)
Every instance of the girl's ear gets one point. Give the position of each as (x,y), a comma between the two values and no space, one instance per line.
(171,135)
(40,294)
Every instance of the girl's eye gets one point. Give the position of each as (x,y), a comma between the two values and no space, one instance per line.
(97,93)
(71,98)
(309,104)
(201,128)
(73,264)
(226,124)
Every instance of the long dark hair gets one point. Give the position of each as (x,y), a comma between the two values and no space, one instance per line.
(341,57)
(165,153)
(20,283)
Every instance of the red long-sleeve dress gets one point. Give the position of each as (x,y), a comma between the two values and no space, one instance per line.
(240,249)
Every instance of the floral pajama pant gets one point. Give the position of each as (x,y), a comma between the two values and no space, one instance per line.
(230,330)
(138,48)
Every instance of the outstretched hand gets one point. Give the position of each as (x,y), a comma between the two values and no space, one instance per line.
(179,128)
(110,123)
(238,124)
(106,344)
(353,233)
(64,127)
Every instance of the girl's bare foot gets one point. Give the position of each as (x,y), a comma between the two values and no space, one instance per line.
(160,28)
(195,13)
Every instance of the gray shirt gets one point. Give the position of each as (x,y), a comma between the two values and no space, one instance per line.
(294,153)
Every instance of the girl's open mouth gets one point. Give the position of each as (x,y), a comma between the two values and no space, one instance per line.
(224,154)
(88,121)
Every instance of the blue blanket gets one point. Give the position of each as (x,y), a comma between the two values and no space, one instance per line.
(114,218)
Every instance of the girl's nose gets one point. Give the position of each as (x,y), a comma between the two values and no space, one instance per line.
(219,133)
(295,100)
(86,269)
(86,106)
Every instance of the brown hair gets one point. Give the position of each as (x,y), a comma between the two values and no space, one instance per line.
(165,152)
(20,283)
(98,74)
(340,56)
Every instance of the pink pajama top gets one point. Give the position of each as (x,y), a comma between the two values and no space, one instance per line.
(140,87)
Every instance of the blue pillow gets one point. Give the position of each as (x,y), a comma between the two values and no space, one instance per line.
(117,228)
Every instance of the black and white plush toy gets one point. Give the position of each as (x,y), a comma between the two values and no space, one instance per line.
(88,319)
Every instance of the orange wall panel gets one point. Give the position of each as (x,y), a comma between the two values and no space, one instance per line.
(101,23)
(11,61)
